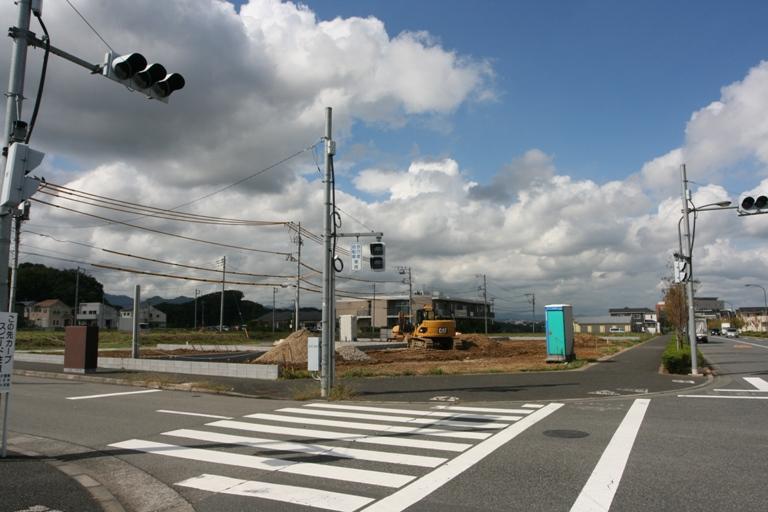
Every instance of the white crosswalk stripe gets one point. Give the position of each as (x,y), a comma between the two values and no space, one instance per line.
(327,449)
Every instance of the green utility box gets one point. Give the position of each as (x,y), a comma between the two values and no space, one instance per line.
(559,326)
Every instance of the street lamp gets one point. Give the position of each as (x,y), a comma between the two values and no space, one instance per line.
(765,298)
(687,208)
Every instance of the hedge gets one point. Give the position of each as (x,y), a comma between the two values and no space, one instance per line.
(679,361)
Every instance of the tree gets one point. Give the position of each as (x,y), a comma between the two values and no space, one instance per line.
(676,308)
(37,282)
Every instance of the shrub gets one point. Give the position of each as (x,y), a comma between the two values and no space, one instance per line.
(679,361)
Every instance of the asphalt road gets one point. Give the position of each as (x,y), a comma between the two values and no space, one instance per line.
(698,448)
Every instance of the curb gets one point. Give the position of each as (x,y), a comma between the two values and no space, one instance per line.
(94,474)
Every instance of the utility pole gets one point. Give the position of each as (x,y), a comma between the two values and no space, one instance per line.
(298,278)
(274,293)
(327,340)
(223,261)
(77,294)
(19,215)
(13,131)
(485,303)
(532,298)
(689,284)
(194,323)
(136,331)
(403,271)
(373,311)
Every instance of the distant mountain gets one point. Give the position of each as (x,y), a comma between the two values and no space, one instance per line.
(124,301)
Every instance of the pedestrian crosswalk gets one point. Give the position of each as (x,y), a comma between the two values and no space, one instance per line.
(340,457)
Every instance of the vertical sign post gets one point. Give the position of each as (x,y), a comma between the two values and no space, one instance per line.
(7,348)
(356,250)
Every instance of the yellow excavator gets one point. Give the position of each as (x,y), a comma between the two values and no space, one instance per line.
(429,331)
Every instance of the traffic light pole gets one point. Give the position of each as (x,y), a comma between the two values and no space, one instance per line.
(13,104)
(327,337)
(689,283)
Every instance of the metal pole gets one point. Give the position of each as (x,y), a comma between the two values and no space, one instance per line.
(223,280)
(13,104)
(410,296)
(326,381)
(533,312)
(689,284)
(136,330)
(298,280)
(373,311)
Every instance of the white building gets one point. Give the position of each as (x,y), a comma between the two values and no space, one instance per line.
(96,313)
(149,316)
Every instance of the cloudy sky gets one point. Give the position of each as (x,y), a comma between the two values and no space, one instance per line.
(536,143)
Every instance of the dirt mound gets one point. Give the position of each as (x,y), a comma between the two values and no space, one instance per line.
(292,351)
(351,353)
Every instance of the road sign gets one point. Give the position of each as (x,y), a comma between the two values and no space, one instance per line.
(7,348)
(357,256)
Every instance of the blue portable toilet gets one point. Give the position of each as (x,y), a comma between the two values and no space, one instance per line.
(559,326)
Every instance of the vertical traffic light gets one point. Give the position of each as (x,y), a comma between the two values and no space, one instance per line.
(377,261)
(133,71)
(17,186)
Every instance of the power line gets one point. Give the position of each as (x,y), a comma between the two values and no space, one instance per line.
(174,235)
(89,25)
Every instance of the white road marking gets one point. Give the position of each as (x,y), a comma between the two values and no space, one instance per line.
(396,419)
(437,414)
(741,390)
(85,397)
(371,426)
(684,381)
(721,396)
(753,344)
(314,449)
(362,476)
(184,413)
(432,481)
(489,409)
(600,489)
(314,498)
(759,383)
(345,436)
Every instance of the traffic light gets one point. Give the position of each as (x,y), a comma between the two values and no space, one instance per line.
(132,71)
(752,204)
(17,186)
(377,262)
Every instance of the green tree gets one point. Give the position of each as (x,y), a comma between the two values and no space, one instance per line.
(38,282)
(676,308)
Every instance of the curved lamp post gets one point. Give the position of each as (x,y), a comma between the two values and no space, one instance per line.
(765,298)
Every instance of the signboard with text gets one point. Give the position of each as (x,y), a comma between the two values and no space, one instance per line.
(7,348)
(356,251)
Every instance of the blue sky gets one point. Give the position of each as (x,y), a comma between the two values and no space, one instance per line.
(603,86)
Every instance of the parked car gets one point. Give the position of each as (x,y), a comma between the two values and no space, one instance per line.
(616,329)
(715,332)
(731,332)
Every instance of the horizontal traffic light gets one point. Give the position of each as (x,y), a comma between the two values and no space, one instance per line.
(751,204)
(133,71)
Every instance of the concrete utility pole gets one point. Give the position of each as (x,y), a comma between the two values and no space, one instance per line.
(298,278)
(532,297)
(403,271)
(77,294)
(223,261)
(373,311)
(689,283)
(194,322)
(485,303)
(136,330)
(19,215)
(327,340)
(274,294)
(13,103)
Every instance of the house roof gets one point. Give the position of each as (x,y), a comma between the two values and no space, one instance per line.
(629,310)
(612,320)
(49,302)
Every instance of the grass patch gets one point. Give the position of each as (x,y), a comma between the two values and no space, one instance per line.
(357,372)
(678,361)
(312,392)
(342,392)
(291,372)
(435,370)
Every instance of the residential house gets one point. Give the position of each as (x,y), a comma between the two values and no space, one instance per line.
(603,324)
(101,315)
(149,317)
(50,314)
(643,319)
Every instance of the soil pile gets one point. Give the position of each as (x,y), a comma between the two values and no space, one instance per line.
(292,351)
